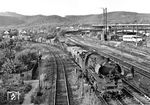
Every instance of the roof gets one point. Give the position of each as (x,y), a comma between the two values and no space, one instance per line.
(131,36)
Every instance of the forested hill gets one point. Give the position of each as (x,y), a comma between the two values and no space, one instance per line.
(13,19)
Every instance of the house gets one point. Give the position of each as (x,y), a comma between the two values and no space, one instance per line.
(24,32)
(6,32)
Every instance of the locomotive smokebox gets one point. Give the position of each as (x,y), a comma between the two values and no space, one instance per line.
(106,69)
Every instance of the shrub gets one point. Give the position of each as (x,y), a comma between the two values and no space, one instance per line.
(3,97)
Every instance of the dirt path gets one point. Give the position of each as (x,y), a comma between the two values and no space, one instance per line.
(27,98)
(34,83)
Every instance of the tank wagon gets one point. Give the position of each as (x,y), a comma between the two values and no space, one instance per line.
(102,75)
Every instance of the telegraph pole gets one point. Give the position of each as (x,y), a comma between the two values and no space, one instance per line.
(104,23)
(105,20)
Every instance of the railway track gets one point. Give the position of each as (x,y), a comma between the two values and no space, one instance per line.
(100,97)
(138,102)
(61,96)
(137,94)
(139,68)
(127,98)
(64,97)
(125,64)
(114,101)
(119,102)
(143,93)
(60,85)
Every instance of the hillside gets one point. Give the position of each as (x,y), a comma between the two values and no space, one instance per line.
(113,17)
(6,20)
(10,14)
(11,18)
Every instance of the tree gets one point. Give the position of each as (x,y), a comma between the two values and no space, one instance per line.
(13,32)
(27,57)
(7,62)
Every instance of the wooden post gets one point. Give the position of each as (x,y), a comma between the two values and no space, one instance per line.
(133,29)
(145,31)
(82,83)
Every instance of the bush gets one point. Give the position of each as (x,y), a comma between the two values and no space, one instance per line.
(37,97)
(34,98)
(27,58)
(3,97)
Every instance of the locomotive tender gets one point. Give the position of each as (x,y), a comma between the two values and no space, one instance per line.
(103,75)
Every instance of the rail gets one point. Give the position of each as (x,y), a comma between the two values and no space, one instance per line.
(55,79)
(119,102)
(142,93)
(129,92)
(100,97)
(126,64)
(142,70)
(61,95)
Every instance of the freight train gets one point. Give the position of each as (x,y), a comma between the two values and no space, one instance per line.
(102,74)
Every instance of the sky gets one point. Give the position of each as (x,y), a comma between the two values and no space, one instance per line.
(72,7)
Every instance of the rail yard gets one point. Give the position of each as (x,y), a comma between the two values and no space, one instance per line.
(75,68)
(75,52)
(139,96)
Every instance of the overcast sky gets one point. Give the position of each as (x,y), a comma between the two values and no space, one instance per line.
(72,7)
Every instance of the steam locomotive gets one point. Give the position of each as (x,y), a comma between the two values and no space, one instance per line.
(101,73)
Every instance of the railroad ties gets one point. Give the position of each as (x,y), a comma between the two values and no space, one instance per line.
(137,94)
(141,69)
(61,85)
(60,92)
(62,95)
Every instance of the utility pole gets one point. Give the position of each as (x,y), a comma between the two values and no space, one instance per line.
(136,33)
(103,37)
(106,20)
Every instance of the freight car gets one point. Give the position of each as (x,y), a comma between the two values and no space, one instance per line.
(102,75)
